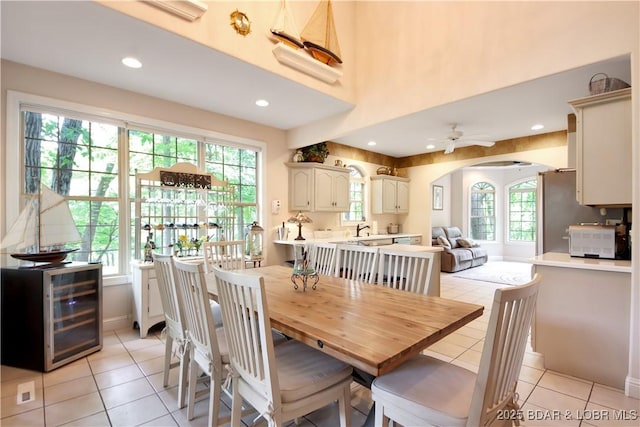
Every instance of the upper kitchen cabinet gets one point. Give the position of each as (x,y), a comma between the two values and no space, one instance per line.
(389,194)
(319,188)
(603,148)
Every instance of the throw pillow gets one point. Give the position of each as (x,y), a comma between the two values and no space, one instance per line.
(443,241)
(467,243)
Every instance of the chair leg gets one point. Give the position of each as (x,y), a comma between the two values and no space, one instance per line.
(236,406)
(192,386)
(344,405)
(183,380)
(381,419)
(215,388)
(168,349)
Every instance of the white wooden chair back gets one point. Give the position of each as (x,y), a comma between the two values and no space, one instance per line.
(405,270)
(174,322)
(357,262)
(323,258)
(165,274)
(204,351)
(503,351)
(226,254)
(248,328)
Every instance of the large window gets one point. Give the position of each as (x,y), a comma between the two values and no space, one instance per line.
(483,211)
(91,162)
(356,197)
(522,211)
(77,159)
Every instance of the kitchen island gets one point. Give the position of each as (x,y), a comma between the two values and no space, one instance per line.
(581,324)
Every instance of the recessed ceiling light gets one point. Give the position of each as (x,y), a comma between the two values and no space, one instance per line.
(371,143)
(430,147)
(262,103)
(537,127)
(131,62)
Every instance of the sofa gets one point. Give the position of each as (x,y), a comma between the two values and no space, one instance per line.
(459,252)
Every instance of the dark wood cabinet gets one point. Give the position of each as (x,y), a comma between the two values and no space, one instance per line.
(50,316)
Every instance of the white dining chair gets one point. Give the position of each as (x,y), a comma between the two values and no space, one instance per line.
(281,382)
(225,254)
(429,391)
(357,262)
(208,351)
(405,270)
(323,258)
(174,331)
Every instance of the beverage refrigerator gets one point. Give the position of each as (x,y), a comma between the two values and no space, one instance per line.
(51,315)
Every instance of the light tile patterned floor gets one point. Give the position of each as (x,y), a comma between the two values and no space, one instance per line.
(122,384)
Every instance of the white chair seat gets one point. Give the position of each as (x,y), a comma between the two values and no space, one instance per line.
(216,313)
(304,371)
(411,385)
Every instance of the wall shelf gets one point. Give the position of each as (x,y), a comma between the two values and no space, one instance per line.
(302,61)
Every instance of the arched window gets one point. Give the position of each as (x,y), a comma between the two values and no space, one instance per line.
(356,197)
(522,211)
(483,211)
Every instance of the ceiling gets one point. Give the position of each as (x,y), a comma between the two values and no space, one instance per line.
(87,40)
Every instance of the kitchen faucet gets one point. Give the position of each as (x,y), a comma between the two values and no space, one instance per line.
(359,229)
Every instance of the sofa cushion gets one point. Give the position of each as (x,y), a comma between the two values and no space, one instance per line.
(462,254)
(453,234)
(467,243)
(443,241)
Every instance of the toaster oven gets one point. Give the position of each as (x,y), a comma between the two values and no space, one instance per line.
(592,241)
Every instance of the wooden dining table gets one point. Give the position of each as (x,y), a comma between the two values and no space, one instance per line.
(371,327)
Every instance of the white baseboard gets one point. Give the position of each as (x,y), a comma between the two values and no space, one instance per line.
(632,387)
(114,323)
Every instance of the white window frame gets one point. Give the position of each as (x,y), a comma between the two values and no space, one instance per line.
(365,197)
(13,165)
(495,207)
(507,214)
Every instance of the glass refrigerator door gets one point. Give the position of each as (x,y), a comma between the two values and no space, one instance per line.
(75,314)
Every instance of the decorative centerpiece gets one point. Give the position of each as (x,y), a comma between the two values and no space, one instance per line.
(302,270)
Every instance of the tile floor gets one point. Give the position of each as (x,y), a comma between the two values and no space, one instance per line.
(122,384)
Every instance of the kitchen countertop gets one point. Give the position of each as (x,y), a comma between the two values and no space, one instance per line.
(345,239)
(564,260)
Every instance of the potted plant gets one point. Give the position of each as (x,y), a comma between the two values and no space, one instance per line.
(316,152)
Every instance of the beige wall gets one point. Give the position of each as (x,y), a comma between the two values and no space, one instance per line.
(213,29)
(449,51)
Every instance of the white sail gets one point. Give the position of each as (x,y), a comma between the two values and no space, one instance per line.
(284,27)
(56,225)
(319,35)
(21,234)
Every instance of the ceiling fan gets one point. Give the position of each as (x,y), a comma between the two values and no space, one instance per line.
(456,138)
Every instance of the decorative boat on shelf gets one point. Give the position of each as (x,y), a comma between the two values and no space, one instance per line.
(284,27)
(43,227)
(319,37)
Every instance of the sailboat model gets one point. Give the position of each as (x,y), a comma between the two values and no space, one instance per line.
(45,222)
(319,36)
(284,28)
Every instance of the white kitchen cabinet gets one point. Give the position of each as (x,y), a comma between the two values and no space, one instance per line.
(389,194)
(147,305)
(603,148)
(331,190)
(318,188)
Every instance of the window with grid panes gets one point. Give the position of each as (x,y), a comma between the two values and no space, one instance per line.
(483,211)
(78,159)
(78,155)
(238,166)
(356,211)
(522,211)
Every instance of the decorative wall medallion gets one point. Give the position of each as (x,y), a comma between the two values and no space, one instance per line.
(240,22)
